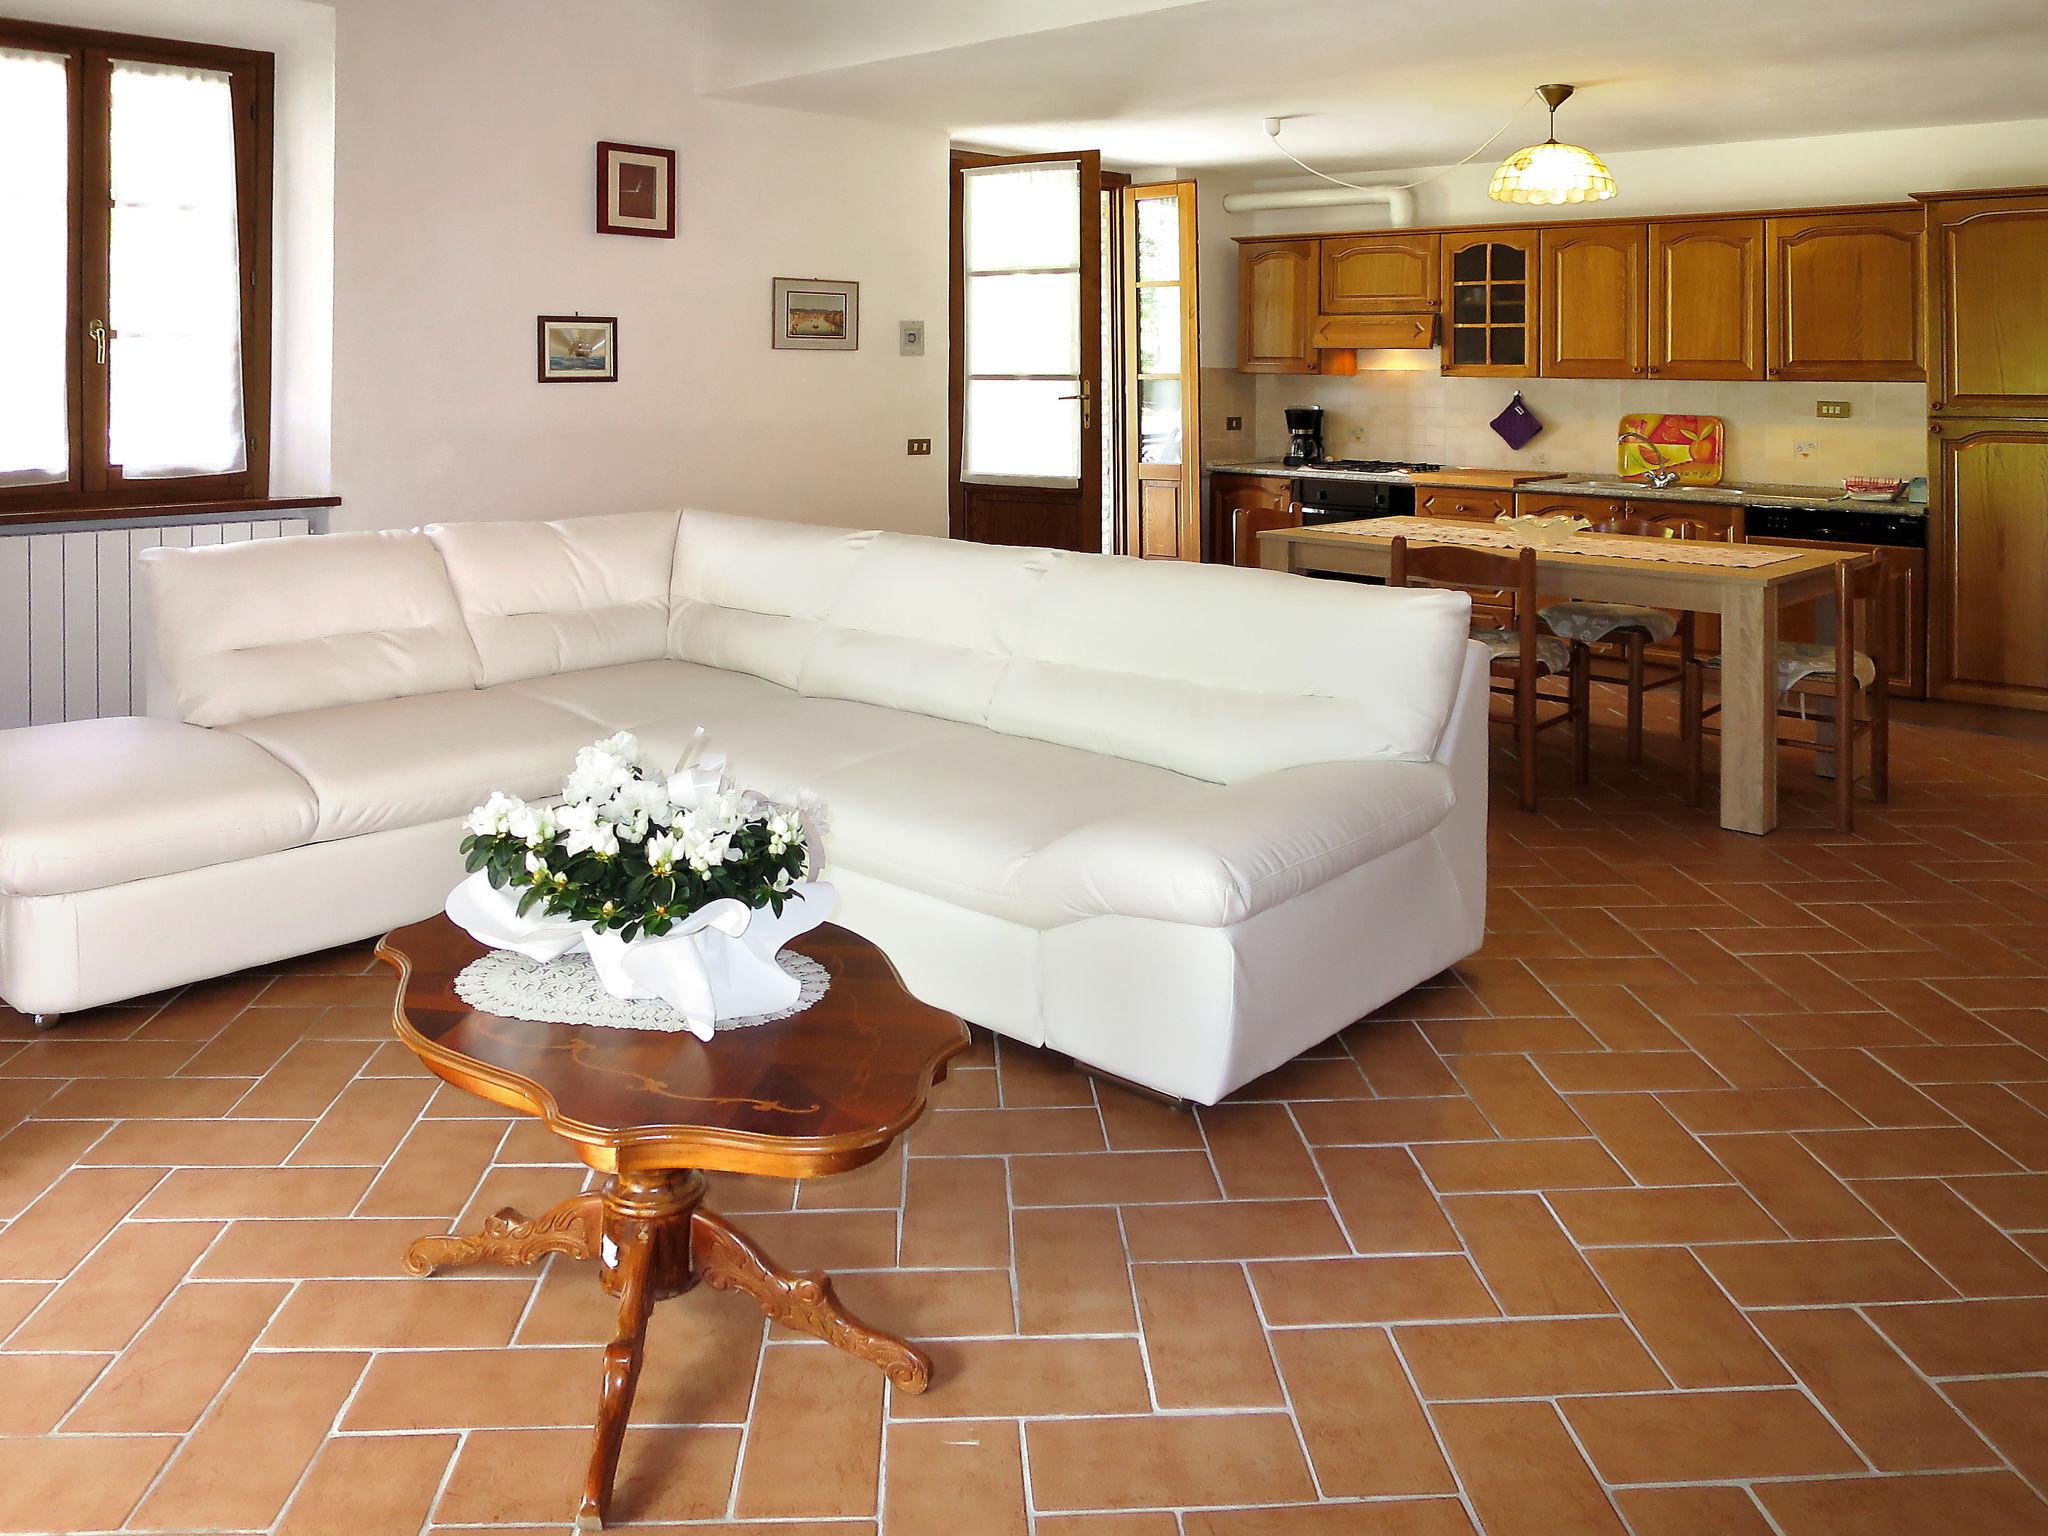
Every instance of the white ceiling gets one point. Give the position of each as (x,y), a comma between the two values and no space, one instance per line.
(1377,84)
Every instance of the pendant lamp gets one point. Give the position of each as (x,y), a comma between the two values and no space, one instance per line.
(1551,172)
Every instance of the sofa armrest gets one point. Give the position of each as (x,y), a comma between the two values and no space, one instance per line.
(1219,858)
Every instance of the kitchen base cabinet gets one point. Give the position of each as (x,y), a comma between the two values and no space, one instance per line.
(1242,506)
(1990,547)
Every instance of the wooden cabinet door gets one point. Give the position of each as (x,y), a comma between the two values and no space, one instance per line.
(1842,296)
(1592,278)
(1490,300)
(1376,274)
(1244,504)
(1460,502)
(1707,299)
(1276,306)
(1991,298)
(1988,635)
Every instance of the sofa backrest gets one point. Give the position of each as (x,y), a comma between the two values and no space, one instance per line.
(1223,674)
(540,598)
(926,625)
(271,626)
(750,594)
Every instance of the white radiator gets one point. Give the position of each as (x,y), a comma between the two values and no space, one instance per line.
(68,647)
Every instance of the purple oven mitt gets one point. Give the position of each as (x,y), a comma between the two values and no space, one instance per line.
(1517,424)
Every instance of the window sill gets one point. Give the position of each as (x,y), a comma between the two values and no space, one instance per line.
(146,513)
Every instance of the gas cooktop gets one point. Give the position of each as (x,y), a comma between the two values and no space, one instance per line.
(1378,466)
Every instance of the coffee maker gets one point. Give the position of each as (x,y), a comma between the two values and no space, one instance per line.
(1304,435)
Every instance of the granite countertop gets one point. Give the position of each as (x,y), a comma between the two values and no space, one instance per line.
(1734,494)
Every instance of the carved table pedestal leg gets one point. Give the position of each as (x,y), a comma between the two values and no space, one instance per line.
(654,1239)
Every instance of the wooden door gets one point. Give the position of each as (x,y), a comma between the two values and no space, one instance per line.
(1276,282)
(1491,301)
(1592,278)
(1378,274)
(1162,373)
(1026,450)
(1707,299)
(1991,306)
(1988,633)
(1842,296)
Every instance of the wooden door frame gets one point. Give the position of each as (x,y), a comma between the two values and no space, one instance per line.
(1188,513)
(1089,490)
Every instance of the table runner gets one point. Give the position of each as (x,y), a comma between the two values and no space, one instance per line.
(1436,530)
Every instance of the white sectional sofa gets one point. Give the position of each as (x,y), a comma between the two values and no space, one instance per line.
(1179,822)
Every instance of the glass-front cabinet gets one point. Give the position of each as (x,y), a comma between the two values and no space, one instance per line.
(1489,296)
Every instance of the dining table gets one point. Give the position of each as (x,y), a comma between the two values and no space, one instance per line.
(1748,585)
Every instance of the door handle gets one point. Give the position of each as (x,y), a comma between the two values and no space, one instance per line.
(97,331)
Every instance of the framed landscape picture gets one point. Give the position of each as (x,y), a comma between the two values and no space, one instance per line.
(636,191)
(579,349)
(815,314)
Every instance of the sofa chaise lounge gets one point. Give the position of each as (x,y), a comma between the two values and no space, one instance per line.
(1178,822)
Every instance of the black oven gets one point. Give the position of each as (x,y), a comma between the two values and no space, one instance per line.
(1346,501)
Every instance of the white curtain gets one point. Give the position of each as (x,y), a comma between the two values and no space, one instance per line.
(35,438)
(175,299)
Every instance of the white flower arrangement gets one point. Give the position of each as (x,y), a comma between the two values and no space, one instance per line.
(635,850)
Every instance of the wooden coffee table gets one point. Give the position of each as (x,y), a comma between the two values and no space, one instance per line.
(821,1092)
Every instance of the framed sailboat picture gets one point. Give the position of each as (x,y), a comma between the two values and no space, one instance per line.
(579,349)
(815,314)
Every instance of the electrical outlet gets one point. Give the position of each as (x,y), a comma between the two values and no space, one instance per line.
(910,339)
(1233,423)
(1356,436)
(920,447)
(1806,450)
(1833,408)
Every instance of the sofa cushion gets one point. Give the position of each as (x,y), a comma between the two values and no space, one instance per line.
(271,626)
(398,762)
(1225,674)
(925,624)
(748,592)
(92,803)
(961,816)
(1230,852)
(541,598)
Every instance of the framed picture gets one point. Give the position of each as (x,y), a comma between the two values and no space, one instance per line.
(815,314)
(579,349)
(636,191)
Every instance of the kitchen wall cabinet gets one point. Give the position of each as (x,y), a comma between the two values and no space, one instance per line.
(1277,306)
(1593,279)
(1489,294)
(1379,274)
(1991,305)
(1989,638)
(1243,505)
(1706,314)
(1844,295)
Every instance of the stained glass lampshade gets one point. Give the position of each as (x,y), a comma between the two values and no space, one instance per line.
(1551,172)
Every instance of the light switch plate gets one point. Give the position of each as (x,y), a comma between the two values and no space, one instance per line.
(1233,423)
(919,447)
(910,338)
(1834,408)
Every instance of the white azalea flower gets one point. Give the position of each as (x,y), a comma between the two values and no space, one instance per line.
(578,825)
(638,802)
(604,841)
(494,817)
(663,849)
(533,825)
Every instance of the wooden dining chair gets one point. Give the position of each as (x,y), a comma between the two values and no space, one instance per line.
(1632,629)
(1852,681)
(1522,657)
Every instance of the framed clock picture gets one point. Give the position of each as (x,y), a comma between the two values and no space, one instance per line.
(636,191)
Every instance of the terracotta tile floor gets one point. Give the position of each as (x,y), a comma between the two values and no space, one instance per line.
(1711,1198)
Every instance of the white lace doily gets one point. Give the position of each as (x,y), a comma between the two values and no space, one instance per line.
(567,991)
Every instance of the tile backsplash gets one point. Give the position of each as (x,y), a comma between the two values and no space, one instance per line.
(1399,407)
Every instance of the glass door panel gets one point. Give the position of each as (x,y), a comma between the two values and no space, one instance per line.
(1162,385)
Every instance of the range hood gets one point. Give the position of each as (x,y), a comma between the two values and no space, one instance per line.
(1352,332)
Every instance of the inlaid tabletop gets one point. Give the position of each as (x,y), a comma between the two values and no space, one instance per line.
(827,1088)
